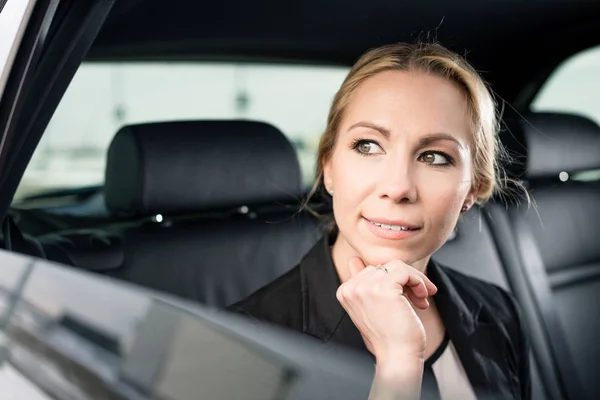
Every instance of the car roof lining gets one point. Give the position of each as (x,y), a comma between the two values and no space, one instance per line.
(512,42)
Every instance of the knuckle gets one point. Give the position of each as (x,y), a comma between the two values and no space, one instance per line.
(371,291)
(375,290)
(359,292)
(369,268)
(349,292)
(390,294)
(339,293)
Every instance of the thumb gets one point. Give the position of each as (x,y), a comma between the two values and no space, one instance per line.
(355,265)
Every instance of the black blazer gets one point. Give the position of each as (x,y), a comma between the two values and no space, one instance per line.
(482,320)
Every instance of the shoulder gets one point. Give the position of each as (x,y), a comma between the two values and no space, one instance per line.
(279,302)
(499,303)
(284,301)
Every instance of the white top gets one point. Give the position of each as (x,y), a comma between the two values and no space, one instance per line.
(451,377)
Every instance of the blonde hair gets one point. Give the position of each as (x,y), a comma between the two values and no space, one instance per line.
(436,60)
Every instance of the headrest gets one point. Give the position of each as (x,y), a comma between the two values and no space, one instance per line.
(192,166)
(550,143)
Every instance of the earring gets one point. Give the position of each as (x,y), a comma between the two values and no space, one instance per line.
(464,209)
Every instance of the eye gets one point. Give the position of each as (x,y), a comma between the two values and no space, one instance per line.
(436,158)
(366,147)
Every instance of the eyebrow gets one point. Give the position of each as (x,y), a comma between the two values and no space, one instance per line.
(383,130)
(427,140)
(423,142)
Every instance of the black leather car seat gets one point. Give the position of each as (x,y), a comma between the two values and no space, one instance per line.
(557,239)
(205,211)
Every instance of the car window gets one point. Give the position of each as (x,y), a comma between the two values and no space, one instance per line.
(105,96)
(574,88)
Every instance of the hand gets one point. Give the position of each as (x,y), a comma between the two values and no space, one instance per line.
(379,304)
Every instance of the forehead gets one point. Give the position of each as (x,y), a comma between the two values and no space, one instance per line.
(410,103)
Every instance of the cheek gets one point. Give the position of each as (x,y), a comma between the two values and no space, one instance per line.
(352,183)
(442,196)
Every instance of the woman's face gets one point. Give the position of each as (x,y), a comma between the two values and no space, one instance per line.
(401,168)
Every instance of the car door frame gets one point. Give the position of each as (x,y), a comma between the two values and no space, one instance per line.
(26,31)
(57,38)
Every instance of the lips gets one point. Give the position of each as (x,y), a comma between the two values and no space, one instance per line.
(393,225)
(394,230)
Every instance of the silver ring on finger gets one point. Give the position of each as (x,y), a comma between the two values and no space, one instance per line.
(382,268)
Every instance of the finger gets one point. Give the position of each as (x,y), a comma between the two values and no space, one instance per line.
(409,282)
(416,285)
(355,266)
(431,288)
(398,265)
(420,303)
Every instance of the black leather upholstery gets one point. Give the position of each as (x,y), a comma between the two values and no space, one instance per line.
(543,367)
(473,237)
(182,167)
(214,261)
(214,257)
(564,221)
(566,226)
(552,143)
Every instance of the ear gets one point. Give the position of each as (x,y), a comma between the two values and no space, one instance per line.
(471,197)
(327,179)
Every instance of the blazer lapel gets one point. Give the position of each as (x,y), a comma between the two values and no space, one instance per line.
(481,344)
(323,316)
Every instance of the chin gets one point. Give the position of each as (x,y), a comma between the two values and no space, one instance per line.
(375,256)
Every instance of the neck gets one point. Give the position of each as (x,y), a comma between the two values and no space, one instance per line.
(341,252)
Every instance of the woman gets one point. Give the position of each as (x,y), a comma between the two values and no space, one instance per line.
(410,144)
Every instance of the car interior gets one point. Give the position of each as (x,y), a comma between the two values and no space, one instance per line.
(210,209)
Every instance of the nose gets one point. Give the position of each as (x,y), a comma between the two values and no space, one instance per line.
(398,182)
